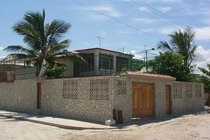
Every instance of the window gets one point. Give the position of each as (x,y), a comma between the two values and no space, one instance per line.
(121,87)
(177,90)
(188,90)
(70,89)
(99,89)
(122,63)
(198,90)
(87,66)
(106,62)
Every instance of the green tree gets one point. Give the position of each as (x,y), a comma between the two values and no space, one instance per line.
(43,42)
(137,65)
(182,43)
(171,64)
(205,79)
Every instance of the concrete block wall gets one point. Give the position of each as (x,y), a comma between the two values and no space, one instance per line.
(19,96)
(83,108)
(185,104)
(123,101)
(160,103)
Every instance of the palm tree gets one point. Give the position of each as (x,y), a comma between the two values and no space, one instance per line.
(44,45)
(182,43)
(205,71)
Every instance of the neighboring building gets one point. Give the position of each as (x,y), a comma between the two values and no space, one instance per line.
(98,62)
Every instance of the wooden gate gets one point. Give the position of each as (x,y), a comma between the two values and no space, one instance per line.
(143,100)
(168,99)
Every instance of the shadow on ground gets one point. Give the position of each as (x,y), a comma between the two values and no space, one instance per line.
(143,121)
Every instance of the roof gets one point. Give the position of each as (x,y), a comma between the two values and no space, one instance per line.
(147,75)
(88,49)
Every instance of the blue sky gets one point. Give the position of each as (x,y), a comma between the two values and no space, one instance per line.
(147,22)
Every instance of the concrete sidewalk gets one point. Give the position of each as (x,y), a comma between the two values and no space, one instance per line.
(54,121)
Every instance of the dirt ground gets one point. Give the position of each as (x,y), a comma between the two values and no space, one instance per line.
(188,127)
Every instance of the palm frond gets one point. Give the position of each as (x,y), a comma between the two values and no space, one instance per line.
(56,29)
(163,45)
(18,56)
(58,47)
(17,48)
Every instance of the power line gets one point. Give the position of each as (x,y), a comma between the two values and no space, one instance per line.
(159,13)
(117,20)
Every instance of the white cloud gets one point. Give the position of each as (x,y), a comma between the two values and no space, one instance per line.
(1,49)
(203,56)
(165,1)
(145,20)
(165,9)
(143,9)
(168,30)
(161,9)
(201,11)
(148,30)
(107,9)
(137,55)
(203,33)
(97,12)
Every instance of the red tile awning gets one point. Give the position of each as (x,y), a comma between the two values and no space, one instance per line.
(147,75)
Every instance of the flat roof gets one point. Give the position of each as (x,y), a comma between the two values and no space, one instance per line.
(148,75)
(88,49)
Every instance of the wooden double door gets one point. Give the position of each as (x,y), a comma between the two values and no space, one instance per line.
(143,100)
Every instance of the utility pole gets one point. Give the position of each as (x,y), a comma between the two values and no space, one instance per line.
(146,54)
(146,51)
(99,40)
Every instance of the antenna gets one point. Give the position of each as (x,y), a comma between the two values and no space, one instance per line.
(99,40)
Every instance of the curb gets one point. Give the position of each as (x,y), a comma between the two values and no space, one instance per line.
(51,124)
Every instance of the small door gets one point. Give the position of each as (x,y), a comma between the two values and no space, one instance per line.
(168,99)
(39,95)
(143,100)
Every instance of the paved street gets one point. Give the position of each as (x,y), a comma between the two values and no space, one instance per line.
(193,127)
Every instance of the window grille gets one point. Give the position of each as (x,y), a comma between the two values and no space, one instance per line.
(99,89)
(188,90)
(177,90)
(198,90)
(121,87)
(70,89)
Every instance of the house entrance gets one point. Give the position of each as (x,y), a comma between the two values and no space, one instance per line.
(39,95)
(143,100)
(168,99)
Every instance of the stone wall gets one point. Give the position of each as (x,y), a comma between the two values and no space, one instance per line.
(18,96)
(94,98)
(77,98)
(25,73)
(123,97)
(160,84)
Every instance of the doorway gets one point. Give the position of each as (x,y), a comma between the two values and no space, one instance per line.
(39,95)
(168,99)
(143,100)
